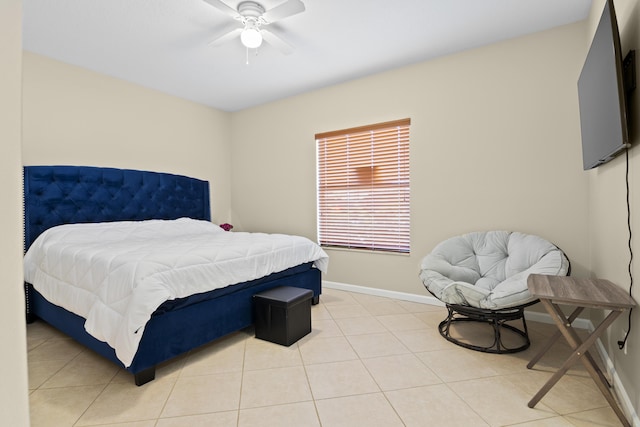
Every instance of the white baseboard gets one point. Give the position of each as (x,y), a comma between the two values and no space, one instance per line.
(538,316)
(535,316)
(423,299)
(618,388)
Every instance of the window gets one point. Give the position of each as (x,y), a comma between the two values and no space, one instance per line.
(363,187)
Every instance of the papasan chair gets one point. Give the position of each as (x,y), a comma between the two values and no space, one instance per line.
(482,277)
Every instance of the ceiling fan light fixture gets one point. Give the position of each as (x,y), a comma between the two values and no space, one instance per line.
(251,36)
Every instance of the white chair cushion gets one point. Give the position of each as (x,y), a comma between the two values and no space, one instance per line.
(489,269)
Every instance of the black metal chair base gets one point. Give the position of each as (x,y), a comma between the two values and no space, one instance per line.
(496,319)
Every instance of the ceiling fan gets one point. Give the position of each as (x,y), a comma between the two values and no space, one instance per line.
(253,16)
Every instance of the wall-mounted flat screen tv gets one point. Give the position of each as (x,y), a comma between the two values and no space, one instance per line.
(601,92)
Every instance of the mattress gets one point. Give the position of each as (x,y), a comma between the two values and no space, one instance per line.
(116,275)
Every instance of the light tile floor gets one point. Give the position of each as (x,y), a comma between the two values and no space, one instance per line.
(369,361)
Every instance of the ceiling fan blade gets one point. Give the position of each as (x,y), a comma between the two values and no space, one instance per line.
(284,10)
(277,42)
(223,7)
(226,37)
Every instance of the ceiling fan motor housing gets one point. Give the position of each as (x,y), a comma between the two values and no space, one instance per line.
(250,10)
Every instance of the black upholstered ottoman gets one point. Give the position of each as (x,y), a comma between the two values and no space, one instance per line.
(283,314)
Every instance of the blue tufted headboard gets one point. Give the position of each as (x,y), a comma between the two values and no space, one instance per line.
(55,195)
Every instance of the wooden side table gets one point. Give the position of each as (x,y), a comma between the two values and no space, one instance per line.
(580,293)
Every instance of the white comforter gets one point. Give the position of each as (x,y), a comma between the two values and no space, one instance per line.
(115,275)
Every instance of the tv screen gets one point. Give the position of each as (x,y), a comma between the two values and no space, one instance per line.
(601,94)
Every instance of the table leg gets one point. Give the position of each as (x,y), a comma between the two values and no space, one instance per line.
(553,339)
(574,341)
(580,349)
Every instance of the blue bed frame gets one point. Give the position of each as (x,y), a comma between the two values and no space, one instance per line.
(55,195)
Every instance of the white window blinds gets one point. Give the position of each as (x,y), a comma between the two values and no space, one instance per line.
(363,187)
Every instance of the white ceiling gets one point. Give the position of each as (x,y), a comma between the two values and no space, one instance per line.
(164,44)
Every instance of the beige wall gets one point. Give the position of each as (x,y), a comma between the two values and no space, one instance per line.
(75,116)
(608,232)
(494,145)
(14,408)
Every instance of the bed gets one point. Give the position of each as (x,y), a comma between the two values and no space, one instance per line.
(59,195)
